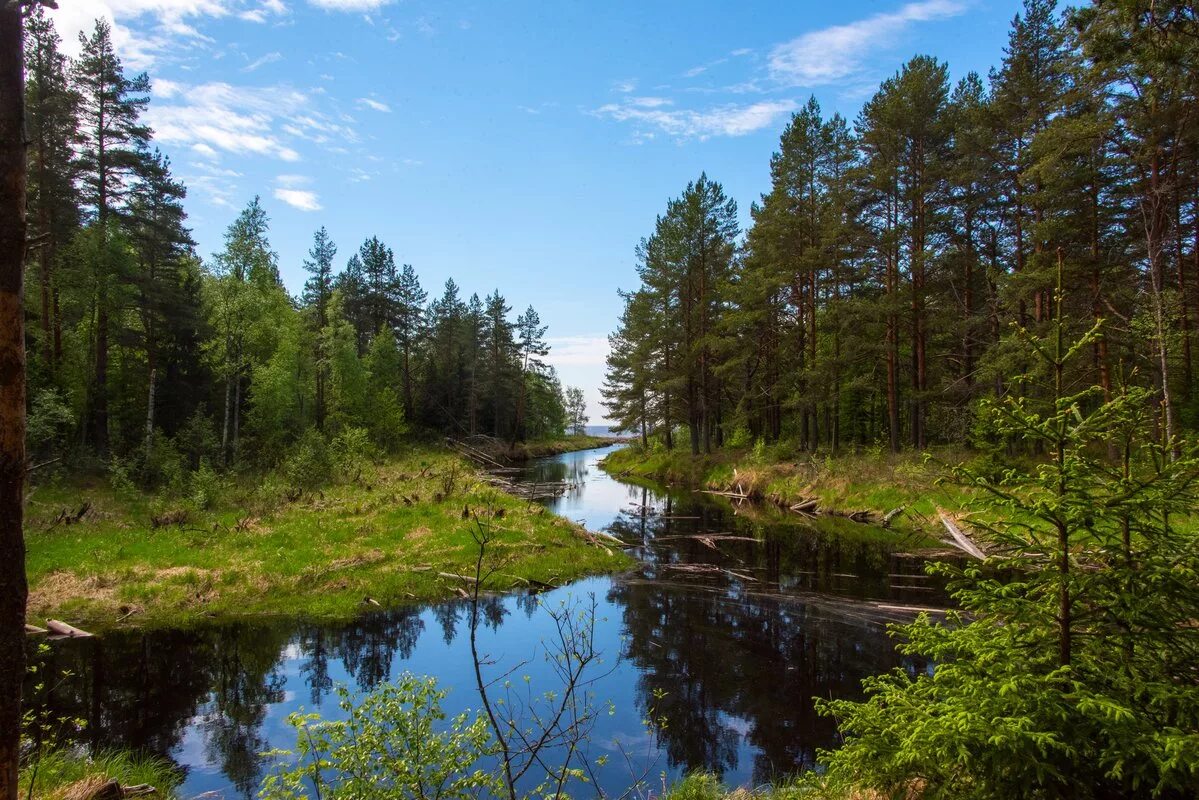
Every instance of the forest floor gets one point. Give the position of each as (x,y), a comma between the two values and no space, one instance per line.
(390,537)
(870,484)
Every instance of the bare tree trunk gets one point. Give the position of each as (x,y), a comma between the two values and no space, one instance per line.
(1154,234)
(225,427)
(150,413)
(13,586)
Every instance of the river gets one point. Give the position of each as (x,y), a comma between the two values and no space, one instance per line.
(728,639)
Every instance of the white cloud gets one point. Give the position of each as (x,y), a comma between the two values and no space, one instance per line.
(349,5)
(303,199)
(269,58)
(625,86)
(370,102)
(839,52)
(289,191)
(245,120)
(727,120)
(144,31)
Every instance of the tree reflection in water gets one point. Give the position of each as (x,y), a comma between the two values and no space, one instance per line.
(730,655)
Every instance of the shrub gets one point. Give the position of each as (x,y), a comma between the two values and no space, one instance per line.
(394,743)
(204,486)
(308,466)
(351,452)
(49,423)
(197,439)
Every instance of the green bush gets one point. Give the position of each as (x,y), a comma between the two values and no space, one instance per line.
(308,466)
(49,423)
(204,487)
(351,452)
(394,744)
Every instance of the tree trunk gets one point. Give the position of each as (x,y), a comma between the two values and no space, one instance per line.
(150,411)
(225,426)
(13,586)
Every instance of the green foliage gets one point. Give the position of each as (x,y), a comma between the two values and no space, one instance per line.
(1074,673)
(49,423)
(204,486)
(395,743)
(308,465)
(351,452)
(53,771)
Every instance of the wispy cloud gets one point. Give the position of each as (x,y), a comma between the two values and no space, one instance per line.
(262,61)
(371,103)
(145,31)
(625,86)
(270,121)
(833,54)
(289,191)
(349,5)
(725,120)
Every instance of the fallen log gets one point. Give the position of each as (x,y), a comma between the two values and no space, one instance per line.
(457,577)
(960,539)
(33,630)
(60,628)
(890,516)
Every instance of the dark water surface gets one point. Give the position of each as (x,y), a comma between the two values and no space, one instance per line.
(734,637)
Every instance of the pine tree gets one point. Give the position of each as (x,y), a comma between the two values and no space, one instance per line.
(531,348)
(497,354)
(112,140)
(318,291)
(52,120)
(409,326)
(162,245)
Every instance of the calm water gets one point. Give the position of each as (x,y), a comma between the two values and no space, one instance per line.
(736,636)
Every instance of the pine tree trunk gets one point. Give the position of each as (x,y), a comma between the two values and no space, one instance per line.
(149,444)
(13,586)
(225,426)
(100,379)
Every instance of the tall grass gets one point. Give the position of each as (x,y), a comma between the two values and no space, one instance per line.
(70,774)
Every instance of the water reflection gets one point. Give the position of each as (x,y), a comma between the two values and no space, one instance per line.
(727,638)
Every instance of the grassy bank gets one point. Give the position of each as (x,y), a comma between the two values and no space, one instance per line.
(135,559)
(871,482)
(540,448)
(71,775)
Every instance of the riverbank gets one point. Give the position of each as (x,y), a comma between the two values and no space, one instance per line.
(867,486)
(100,557)
(540,448)
(69,774)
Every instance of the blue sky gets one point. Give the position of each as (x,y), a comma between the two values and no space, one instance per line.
(522,145)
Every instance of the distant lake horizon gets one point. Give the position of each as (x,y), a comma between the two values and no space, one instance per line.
(603,430)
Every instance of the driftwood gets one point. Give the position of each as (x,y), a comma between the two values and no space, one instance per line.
(33,630)
(806,506)
(62,629)
(708,569)
(890,516)
(960,539)
(455,576)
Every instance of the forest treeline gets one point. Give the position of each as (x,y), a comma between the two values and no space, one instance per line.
(139,350)
(898,262)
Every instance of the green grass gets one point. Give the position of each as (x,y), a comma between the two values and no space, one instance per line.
(706,786)
(385,536)
(64,774)
(539,448)
(875,482)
